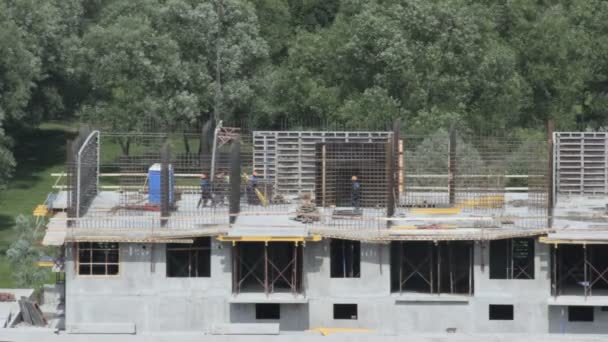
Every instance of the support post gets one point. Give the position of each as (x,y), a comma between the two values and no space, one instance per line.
(554,271)
(295,269)
(323,174)
(400,267)
(585,280)
(166,196)
(214,151)
(451,260)
(452,167)
(471,267)
(235,181)
(266,268)
(591,248)
(390,180)
(511,261)
(550,174)
(344,258)
(235,269)
(438,268)
(431,266)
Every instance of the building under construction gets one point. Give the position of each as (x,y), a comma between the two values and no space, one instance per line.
(447,232)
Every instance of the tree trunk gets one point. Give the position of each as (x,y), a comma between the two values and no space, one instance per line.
(125,145)
(186,143)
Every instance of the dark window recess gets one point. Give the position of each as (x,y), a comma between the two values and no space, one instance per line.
(345,311)
(501,312)
(604,308)
(194,260)
(345,258)
(267,311)
(512,259)
(580,314)
(428,267)
(98,258)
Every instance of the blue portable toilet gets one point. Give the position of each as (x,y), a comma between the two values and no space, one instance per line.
(154,184)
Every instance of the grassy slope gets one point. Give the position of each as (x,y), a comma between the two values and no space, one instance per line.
(39,153)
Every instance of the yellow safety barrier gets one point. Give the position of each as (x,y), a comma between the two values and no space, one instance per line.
(41,211)
(485,202)
(435,211)
(313,238)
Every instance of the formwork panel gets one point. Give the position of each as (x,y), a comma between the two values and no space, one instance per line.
(581,162)
(287,158)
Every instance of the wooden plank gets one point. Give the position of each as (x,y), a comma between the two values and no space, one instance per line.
(25,314)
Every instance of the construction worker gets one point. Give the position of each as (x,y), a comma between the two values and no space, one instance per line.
(205,191)
(252,197)
(220,187)
(355,193)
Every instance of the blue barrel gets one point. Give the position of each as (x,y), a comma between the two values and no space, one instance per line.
(154,184)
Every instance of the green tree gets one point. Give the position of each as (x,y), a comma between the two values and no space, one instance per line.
(23,254)
(136,76)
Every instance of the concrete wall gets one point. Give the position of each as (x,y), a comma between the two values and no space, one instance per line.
(558,322)
(143,295)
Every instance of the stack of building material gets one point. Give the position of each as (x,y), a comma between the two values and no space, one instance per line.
(31,313)
(307,212)
(7,297)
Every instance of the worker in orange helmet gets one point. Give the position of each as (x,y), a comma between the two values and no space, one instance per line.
(355,194)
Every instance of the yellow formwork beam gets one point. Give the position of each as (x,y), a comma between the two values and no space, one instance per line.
(547,240)
(313,238)
(439,226)
(329,331)
(484,202)
(435,211)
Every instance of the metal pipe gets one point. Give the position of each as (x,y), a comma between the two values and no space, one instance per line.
(452,167)
(400,266)
(266,268)
(214,152)
(431,265)
(323,175)
(438,268)
(585,283)
(471,268)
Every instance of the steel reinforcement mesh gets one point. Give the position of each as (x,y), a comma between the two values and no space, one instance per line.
(82,171)
(501,178)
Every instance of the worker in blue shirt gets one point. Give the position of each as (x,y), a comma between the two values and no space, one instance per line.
(355,194)
(252,197)
(205,191)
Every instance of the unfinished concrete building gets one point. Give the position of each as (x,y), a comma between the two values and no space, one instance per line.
(455,233)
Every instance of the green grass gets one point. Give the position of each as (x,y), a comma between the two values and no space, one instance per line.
(39,152)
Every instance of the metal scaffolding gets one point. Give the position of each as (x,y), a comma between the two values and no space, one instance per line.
(266,266)
(432,267)
(579,269)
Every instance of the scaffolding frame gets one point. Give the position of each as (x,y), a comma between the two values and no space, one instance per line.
(265,270)
(431,268)
(583,270)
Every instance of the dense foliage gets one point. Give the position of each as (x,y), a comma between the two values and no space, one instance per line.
(502,64)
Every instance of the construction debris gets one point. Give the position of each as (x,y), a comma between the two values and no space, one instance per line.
(279,199)
(347,213)
(31,313)
(307,212)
